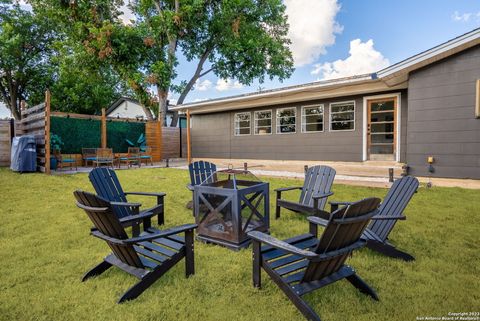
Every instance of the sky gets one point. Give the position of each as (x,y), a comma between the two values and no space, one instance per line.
(334,38)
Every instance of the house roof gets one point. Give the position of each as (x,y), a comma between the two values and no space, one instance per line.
(388,79)
(120,100)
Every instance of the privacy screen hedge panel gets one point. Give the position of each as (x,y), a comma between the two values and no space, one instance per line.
(76,133)
(118,132)
(84,133)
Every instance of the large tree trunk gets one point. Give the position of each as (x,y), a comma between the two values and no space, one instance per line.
(162,105)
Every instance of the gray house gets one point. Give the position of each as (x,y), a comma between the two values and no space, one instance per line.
(425,106)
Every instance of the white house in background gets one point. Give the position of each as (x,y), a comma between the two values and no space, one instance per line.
(5,112)
(126,107)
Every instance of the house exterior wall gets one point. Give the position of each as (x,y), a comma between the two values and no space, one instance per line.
(213,136)
(128,109)
(441,118)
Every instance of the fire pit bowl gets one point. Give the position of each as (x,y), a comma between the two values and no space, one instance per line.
(230,204)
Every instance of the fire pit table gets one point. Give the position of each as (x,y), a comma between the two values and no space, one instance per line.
(228,205)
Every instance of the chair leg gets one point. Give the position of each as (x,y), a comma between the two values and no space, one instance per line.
(97,270)
(389,250)
(161,215)
(189,254)
(277,212)
(361,285)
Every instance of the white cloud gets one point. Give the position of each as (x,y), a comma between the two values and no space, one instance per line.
(461,17)
(227,84)
(312,28)
(196,100)
(203,85)
(363,59)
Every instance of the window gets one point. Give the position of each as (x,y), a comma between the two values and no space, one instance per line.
(342,116)
(242,124)
(312,119)
(286,120)
(263,122)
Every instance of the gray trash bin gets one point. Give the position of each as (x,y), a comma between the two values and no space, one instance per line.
(23,156)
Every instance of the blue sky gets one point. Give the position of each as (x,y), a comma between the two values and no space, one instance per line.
(333,38)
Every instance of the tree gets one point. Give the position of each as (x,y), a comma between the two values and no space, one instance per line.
(25,48)
(241,39)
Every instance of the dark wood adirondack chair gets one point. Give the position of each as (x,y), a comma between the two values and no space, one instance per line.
(147,256)
(303,263)
(315,191)
(107,185)
(200,171)
(390,211)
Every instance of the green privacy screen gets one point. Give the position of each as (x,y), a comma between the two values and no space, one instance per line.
(118,132)
(76,133)
(84,133)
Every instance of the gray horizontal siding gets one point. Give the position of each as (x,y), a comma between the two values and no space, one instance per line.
(441,117)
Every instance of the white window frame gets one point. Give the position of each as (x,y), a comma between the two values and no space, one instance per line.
(323,119)
(330,115)
(255,122)
(235,124)
(277,123)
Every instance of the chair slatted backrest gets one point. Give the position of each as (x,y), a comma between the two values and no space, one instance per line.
(201,171)
(104,154)
(344,228)
(105,220)
(318,179)
(133,152)
(394,204)
(106,184)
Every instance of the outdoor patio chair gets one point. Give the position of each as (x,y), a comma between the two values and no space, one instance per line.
(146,155)
(133,157)
(106,184)
(88,155)
(302,264)
(148,256)
(316,188)
(390,211)
(64,160)
(200,171)
(104,157)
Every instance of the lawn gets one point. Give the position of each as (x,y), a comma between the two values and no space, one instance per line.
(45,248)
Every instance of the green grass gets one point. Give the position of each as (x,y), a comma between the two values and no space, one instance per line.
(45,248)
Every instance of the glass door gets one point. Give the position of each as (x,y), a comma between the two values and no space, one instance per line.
(382,129)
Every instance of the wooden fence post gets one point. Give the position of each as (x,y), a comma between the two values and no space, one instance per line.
(189,143)
(104,129)
(47,131)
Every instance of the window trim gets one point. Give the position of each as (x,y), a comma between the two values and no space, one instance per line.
(277,122)
(323,122)
(235,121)
(330,116)
(255,125)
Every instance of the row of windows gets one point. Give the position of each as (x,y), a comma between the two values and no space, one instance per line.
(342,117)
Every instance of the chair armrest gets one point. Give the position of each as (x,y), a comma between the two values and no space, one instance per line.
(339,203)
(190,187)
(284,189)
(136,218)
(317,220)
(386,218)
(322,195)
(102,236)
(160,194)
(125,204)
(270,240)
(164,233)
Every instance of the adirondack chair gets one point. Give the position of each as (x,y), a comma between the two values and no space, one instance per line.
(88,155)
(302,264)
(106,184)
(200,171)
(315,191)
(146,155)
(390,211)
(147,256)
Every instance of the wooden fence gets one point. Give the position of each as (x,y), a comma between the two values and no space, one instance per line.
(170,139)
(36,122)
(5,142)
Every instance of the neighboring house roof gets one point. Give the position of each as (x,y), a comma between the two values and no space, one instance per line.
(391,78)
(120,100)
